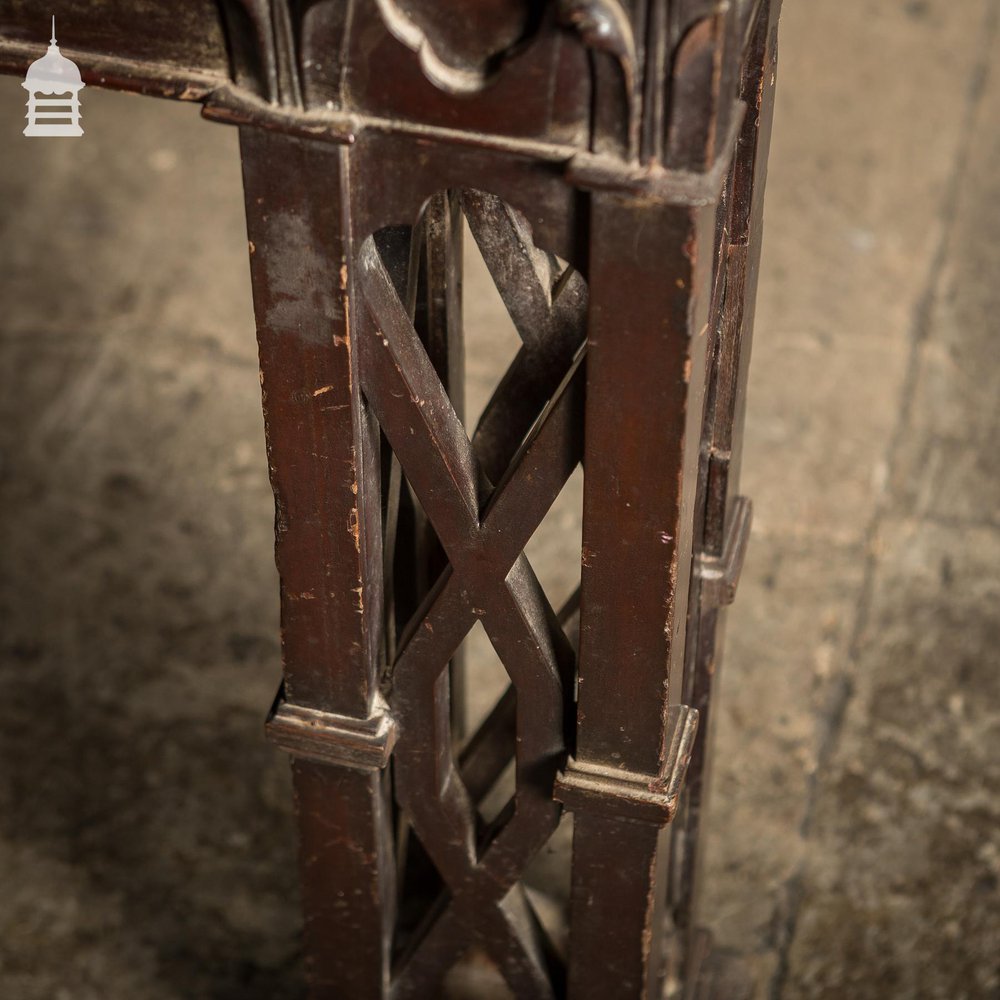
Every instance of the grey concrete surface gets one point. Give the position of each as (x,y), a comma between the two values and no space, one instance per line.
(146,838)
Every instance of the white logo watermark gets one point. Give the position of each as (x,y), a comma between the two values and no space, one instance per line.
(53,84)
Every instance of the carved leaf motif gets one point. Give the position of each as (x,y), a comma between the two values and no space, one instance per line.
(605,26)
(461,43)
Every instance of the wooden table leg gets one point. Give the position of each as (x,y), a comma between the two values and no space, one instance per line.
(721,516)
(645,386)
(322,448)
(397,532)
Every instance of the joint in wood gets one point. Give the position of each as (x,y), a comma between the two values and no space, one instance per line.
(234,105)
(644,798)
(327,738)
(654,182)
(720,575)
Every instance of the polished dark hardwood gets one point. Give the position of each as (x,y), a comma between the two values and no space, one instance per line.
(609,158)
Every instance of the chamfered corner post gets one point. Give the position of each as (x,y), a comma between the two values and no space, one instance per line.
(722,516)
(649,281)
(650,352)
(323,457)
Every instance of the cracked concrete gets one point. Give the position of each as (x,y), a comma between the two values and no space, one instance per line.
(146,840)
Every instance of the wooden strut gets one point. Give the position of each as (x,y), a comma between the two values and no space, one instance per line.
(608,159)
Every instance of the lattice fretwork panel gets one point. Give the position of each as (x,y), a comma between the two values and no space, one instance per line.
(457,515)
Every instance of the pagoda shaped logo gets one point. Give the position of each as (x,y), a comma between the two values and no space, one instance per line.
(53,84)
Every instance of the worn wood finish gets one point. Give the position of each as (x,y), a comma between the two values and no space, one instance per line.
(322,448)
(608,157)
(636,564)
(722,517)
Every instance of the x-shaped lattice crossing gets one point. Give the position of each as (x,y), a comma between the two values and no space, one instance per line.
(488,579)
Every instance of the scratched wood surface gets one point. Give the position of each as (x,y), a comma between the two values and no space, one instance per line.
(608,159)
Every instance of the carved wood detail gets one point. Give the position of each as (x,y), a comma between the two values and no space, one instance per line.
(660,92)
(617,127)
(483,498)
(461,44)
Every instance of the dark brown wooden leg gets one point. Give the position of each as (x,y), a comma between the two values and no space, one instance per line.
(722,518)
(324,464)
(645,387)
(588,144)
(397,532)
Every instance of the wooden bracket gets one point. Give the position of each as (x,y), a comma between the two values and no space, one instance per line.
(720,574)
(646,798)
(305,733)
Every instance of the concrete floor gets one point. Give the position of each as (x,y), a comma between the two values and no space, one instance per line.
(146,841)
